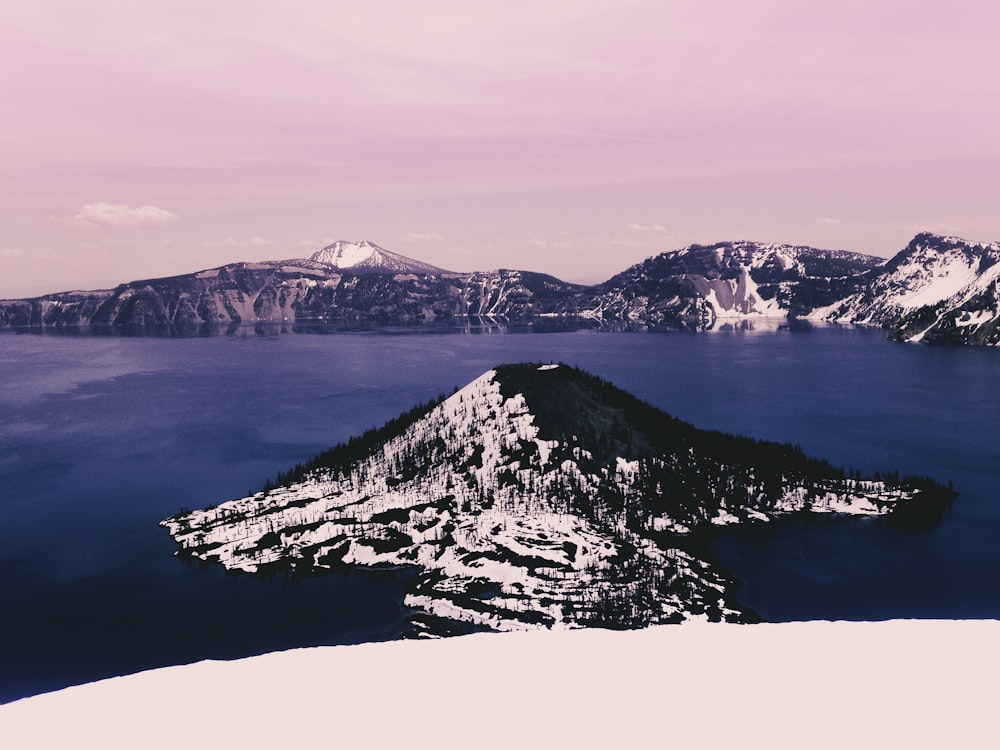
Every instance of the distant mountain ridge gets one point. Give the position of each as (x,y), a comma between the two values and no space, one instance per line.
(537,496)
(937,289)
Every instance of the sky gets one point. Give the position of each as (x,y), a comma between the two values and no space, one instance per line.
(573,137)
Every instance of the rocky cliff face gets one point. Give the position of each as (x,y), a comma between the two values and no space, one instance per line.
(233,293)
(506,295)
(938,289)
(536,496)
(703,284)
(301,290)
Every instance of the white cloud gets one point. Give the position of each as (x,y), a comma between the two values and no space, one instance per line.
(233,242)
(646,228)
(541,244)
(940,228)
(626,242)
(102,214)
(11,251)
(422,237)
(828,222)
(316,244)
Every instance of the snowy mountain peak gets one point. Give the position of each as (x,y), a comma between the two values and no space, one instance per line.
(935,239)
(535,496)
(346,253)
(362,256)
(937,288)
(930,246)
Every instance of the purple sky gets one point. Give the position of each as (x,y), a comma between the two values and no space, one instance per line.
(574,137)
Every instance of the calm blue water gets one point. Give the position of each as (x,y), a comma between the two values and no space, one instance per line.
(101,437)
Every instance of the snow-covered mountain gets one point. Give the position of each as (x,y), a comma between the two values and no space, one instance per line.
(704,284)
(938,289)
(363,256)
(536,496)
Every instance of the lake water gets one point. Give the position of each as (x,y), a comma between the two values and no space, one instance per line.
(102,437)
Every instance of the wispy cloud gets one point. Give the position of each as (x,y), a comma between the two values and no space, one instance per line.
(316,244)
(539,244)
(233,242)
(940,228)
(11,251)
(828,222)
(646,228)
(422,237)
(103,214)
(685,143)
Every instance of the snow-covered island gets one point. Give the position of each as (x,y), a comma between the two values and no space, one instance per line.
(537,496)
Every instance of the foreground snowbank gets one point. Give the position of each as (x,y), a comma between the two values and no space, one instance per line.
(899,684)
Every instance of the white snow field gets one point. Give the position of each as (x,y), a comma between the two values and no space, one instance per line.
(902,684)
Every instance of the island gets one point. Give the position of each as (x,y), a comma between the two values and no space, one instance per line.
(538,496)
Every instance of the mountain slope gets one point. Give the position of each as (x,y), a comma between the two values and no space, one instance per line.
(535,496)
(937,289)
(362,257)
(703,284)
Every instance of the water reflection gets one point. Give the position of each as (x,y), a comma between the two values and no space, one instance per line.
(488,325)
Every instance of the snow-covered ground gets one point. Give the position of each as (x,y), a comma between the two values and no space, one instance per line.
(901,684)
